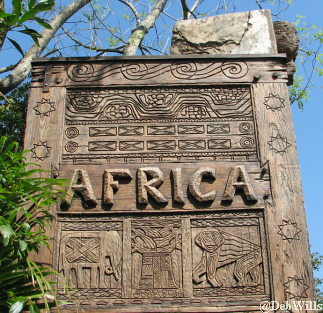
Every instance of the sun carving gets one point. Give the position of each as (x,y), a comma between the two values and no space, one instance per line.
(279,144)
(274,102)
(44,107)
(289,230)
(40,151)
(296,288)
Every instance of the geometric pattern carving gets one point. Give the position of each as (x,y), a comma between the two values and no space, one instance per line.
(289,230)
(71,146)
(44,107)
(161,145)
(137,104)
(274,102)
(191,144)
(218,129)
(102,131)
(219,144)
(296,288)
(131,145)
(40,151)
(278,144)
(191,129)
(190,123)
(81,250)
(161,130)
(102,145)
(131,130)
(247,142)
(188,70)
(245,128)
(71,132)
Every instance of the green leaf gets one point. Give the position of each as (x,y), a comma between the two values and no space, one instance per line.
(42,22)
(31,4)
(16,45)
(30,15)
(45,5)
(6,233)
(4,14)
(30,32)
(16,4)
(22,245)
(17,307)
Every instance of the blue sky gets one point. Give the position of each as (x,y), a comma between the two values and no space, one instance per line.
(309,133)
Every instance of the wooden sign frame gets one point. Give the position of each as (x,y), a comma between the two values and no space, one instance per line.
(184,192)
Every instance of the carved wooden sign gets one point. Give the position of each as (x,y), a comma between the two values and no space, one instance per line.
(183,190)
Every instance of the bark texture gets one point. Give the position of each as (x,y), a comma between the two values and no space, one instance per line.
(142,28)
(23,68)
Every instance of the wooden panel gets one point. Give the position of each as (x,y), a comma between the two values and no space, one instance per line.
(125,197)
(43,137)
(161,124)
(184,191)
(160,71)
(162,248)
(287,229)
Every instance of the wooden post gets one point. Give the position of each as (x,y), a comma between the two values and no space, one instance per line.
(289,247)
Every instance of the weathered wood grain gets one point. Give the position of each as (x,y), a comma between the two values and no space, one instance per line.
(186,193)
(288,237)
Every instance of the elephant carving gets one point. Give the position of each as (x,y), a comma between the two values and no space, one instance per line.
(92,259)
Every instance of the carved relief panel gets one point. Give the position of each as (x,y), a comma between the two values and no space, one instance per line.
(169,204)
(183,259)
(169,123)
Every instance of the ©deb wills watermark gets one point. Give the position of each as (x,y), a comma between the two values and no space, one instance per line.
(290,306)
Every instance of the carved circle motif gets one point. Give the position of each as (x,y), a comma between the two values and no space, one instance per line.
(80,72)
(234,69)
(71,132)
(245,128)
(246,142)
(183,70)
(71,146)
(134,71)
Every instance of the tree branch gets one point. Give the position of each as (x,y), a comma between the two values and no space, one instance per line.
(194,7)
(23,68)
(133,9)
(8,68)
(142,28)
(93,48)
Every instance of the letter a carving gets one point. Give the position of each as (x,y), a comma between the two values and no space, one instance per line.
(146,186)
(238,179)
(81,184)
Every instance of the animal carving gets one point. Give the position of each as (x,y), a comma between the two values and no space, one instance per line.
(220,249)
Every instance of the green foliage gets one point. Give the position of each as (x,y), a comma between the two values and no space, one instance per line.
(13,109)
(298,92)
(24,11)
(24,212)
(317,263)
(309,59)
